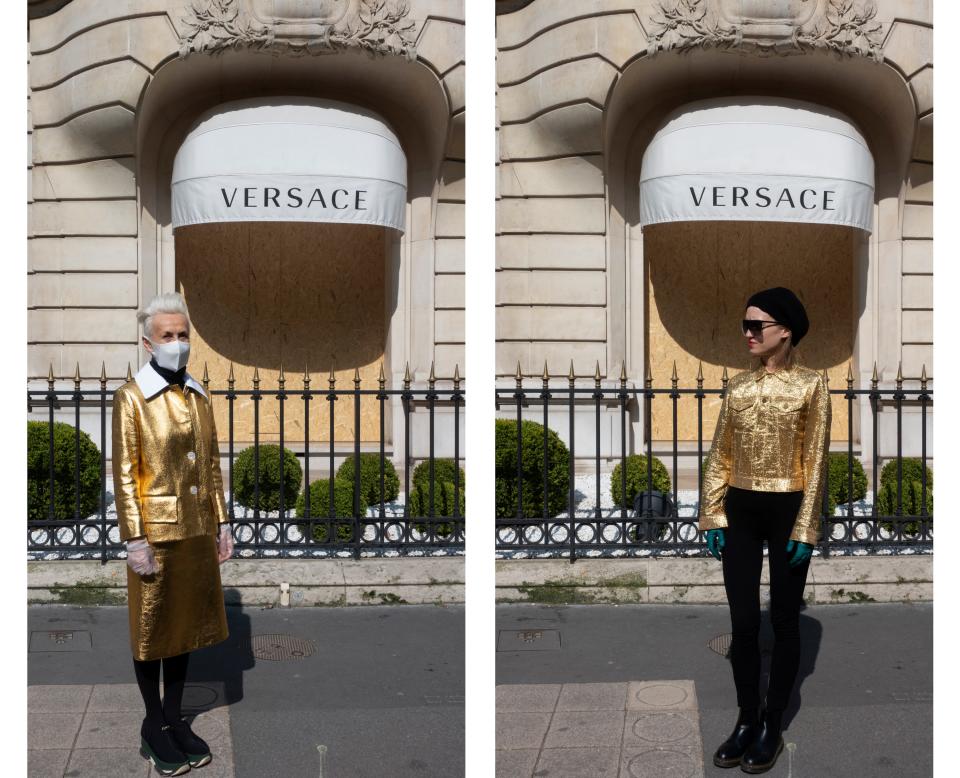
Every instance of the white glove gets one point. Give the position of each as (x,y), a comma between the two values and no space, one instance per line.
(225,543)
(140,557)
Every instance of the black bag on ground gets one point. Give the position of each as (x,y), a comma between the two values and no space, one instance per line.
(652,509)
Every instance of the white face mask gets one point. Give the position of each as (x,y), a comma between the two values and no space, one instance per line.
(172,355)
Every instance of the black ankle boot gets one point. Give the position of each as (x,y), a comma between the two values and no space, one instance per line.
(158,746)
(194,747)
(763,752)
(744,733)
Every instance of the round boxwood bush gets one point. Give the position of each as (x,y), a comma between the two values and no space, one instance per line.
(320,508)
(637,478)
(64,471)
(442,471)
(370,477)
(838,482)
(269,474)
(911,491)
(443,494)
(531,470)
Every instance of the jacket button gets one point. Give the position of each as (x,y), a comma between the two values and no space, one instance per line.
(765,399)
(193,490)
(192,455)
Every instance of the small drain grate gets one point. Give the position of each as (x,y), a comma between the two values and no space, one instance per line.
(60,640)
(279,648)
(528,640)
(721,644)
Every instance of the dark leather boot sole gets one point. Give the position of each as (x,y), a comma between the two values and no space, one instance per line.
(762,768)
(732,762)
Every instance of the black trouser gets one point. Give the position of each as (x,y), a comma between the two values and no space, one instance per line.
(752,518)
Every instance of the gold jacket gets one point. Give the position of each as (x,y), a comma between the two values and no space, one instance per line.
(773,435)
(166,462)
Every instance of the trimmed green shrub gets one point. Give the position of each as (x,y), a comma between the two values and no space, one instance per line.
(838,477)
(443,494)
(637,478)
(370,477)
(442,471)
(320,507)
(531,470)
(64,471)
(911,492)
(269,467)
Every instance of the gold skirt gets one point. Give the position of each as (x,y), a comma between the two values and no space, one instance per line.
(180,607)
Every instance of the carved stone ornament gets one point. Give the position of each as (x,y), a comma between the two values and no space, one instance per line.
(771,27)
(314,27)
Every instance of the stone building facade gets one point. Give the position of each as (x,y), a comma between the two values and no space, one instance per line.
(582,90)
(114,89)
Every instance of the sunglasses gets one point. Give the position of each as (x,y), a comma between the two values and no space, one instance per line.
(756,326)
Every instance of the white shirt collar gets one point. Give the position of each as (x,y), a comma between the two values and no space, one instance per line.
(151,383)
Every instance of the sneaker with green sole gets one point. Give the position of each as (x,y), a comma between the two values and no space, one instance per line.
(163,752)
(195,748)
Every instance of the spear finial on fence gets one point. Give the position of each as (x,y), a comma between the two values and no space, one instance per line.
(826,377)
(256,378)
(674,378)
(129,373)
(206,379)
(433,378)
(923,377)
(596,375)
(875,379)
(406,378)
(306,376)
(899,376)
(648,377)
(356,378)
(700,375)
(623,374)
(103,375)
(332,379)
(518,376)
(230,378)
(849,376)
(456,376)
(282,378)
(571,376)
(546,374)
(76,378)
(50,378)
(381,379)
(724,378)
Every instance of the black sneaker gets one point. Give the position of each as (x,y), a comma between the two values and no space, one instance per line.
(195,748)
(158,746)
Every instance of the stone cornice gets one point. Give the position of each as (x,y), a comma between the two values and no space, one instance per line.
(847,27)
(374,26)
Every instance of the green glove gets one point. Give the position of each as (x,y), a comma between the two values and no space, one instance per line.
(800,552)
(715,542)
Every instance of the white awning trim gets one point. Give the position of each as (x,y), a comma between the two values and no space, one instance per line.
(757,159)
(290,159)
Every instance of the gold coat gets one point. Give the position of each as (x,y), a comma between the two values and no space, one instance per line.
(773,435)
(168,487)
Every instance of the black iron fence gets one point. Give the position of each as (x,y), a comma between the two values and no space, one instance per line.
(893,515)
(71,513)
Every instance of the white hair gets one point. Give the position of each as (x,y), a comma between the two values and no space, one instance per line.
(172,302)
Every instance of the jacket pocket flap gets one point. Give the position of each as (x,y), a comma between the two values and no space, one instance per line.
(164,508)
(742,403)
(788,404)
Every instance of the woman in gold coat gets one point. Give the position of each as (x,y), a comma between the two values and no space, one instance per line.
(763,483)
(173,518)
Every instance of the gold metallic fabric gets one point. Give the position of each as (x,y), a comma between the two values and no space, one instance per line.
(166,465)
(773,435)
(180,607)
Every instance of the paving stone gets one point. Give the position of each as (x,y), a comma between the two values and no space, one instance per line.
(107,729)
(49,763)
(521,730)
(592,696)
(114,697)
(585,728)
(107,763)
(660,728)
(644,695)
(516,764)
(52,730)
(58,698)
(528,698)
(578,762)
(659,763)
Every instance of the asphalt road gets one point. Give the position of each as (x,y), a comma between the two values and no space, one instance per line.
(865,689)
(383,690)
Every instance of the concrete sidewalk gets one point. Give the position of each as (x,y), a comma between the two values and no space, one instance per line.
(863,709)
(380,687)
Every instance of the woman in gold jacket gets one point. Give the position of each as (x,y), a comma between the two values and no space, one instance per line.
(763,483)
(172,515)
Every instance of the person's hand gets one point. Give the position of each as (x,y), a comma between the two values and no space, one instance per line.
(224,543)
(715,542)
(140,557)
(798,552)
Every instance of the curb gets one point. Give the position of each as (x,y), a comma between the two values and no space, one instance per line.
(269,582)
(906,578)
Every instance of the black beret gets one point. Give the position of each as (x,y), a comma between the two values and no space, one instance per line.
(785,307)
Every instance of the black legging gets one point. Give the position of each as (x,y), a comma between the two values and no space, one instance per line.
(752,518)
(174,677)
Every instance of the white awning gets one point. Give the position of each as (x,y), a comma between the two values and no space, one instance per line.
(290,159)
(757,159)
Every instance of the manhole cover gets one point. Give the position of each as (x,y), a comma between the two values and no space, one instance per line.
(60,640)
(721,644)
(278,648)
(662,727)
(661,763)
(528,640)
